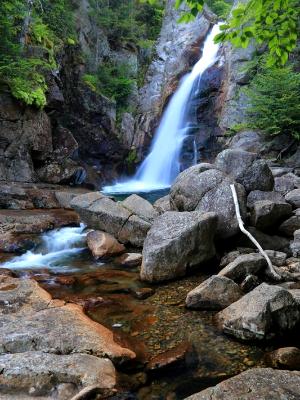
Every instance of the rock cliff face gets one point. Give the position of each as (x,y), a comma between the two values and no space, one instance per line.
(177,50)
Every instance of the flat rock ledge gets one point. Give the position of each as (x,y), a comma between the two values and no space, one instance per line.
(256,383)
(50,349)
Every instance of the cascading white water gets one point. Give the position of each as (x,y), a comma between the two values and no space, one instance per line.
(161,166)
(56,246)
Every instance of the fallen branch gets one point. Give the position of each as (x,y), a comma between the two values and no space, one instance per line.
(271,271)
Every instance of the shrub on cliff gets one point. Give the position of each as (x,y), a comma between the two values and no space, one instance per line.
(274,96)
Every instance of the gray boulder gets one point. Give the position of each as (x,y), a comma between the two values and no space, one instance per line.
(243,265)
(289,226)
(246,140)
(286,183)
(255,383)
(205,191)
(267,214)
(128,221)
(259,195)
(177,241)
(244,167)
(261,314)
(216,293)
(293,198)
(162,205)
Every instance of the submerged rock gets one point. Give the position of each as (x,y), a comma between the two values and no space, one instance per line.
(215,293)
(177,241)
(256,383)
(265,312)
(103,244)
(205,189)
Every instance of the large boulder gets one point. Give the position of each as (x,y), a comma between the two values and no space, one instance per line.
(261,314)
(128,221)
(289,226)
(246,140)
(162,205)
(267,214)
(177,241)
(206,189)
(243,265)
(259,195)
(216,293)
(244,167)
(293,198)
(256,383)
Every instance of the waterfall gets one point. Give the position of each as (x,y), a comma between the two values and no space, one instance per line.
(161,166)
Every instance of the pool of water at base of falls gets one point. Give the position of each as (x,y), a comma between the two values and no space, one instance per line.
(113,295)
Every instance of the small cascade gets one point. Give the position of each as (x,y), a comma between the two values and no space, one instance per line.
(55,248)
(162,165)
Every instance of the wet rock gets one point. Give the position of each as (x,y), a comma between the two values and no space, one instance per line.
(140,207)
(37,374)
(293,198)
(103,244)
(163,204)
(250,283)
(243,166)
(259,195)
(267,214)
(177,241)
(246,140)
(208,190)
(284,358)
(130,259)
(215,293)
(180,356)
(36,221)
(32,321)
(289,226)
(17,243)
(265,312)
(243,265)
(143,293)
(256,383)
(102,213)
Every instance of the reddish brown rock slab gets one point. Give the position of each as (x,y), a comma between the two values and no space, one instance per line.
(255,384)
(180,355)
(284,358)
(35,221)
(103,244)
(32,321)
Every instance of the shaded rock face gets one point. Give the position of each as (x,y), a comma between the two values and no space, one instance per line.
(177,241)
(256,383)
(205,189)
(261,314)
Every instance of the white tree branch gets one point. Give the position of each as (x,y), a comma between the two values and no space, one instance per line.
(271,271)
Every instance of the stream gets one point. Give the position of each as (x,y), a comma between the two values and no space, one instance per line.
(150,319)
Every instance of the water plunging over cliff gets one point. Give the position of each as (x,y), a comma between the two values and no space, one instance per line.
(162,165)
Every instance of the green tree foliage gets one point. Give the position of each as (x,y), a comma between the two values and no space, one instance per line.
(126,21)
(26,32)
(274,96)
(273,23)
